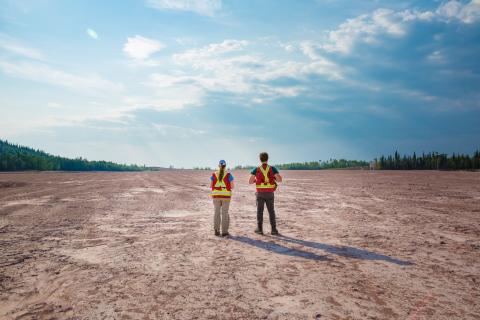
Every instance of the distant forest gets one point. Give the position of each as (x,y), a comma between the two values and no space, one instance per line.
(318,165)
(429,161)
(15,158)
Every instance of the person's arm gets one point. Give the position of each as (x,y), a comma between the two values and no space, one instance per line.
(232,185)
(253,176)
(278,177)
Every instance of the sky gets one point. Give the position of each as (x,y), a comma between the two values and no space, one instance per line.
(189,82)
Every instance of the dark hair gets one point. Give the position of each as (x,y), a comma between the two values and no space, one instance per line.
(263,157)
(222,172)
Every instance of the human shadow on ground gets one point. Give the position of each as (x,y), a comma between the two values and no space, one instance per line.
(344,251)
(273,247)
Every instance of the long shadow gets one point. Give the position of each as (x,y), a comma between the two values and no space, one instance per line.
(273,247)
(344,251)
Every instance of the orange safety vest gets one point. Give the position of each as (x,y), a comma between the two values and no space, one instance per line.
(223,188)
(265,179)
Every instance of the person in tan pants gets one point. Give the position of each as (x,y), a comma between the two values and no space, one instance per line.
(221,185)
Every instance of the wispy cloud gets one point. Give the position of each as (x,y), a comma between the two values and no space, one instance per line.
(17,48)
(202,7)
(382,111)
(29,63)
(141,48)
(165,96)
(41,72)
(201,57)
(92,33)
(54,105)
(289,47)
(186,41)
(233,67)
(437,57)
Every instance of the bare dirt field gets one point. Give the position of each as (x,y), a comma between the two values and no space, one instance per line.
(353,245)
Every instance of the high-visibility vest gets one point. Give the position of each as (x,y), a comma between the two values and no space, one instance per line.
(265,179)
(221,188)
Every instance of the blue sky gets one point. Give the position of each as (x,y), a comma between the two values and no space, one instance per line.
(188,82)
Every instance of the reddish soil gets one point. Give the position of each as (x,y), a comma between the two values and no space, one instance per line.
(354,245)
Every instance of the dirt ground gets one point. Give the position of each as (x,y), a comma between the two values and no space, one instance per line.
(353,245)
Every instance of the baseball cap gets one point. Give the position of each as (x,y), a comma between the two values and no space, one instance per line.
(222,162)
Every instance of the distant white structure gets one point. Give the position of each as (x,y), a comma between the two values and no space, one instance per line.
(373,165)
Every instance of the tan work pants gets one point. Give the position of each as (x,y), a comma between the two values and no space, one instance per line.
(221,213)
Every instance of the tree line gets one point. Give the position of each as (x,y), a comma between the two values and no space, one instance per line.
(318,165)
(429,161)
(16,158)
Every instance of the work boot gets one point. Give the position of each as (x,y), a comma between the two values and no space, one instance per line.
(217,233)
(225,234)
(275,232)
(259,230)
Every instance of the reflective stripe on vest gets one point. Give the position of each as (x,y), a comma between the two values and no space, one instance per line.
(220,188)
(266,184)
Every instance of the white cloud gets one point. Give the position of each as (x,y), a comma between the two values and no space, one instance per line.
(41,72)
(325,68)
(217,67)
(92,33)
(466,13)
(364,28)
(368,27)
(228,67)
(13,46)
(203,7)
(289,47)
(141,48)
(198,57)
(388,21)
(310,49)
(409,15)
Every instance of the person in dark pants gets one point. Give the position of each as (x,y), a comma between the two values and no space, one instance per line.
(265,178)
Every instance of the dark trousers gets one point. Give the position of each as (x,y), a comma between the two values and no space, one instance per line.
(262,199)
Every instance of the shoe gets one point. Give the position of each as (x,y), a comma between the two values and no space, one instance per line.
(225,234)
(259,231)
(275,232)
(217,233)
